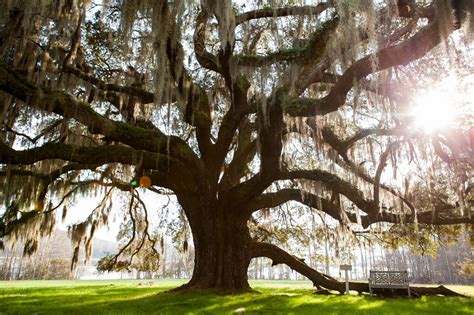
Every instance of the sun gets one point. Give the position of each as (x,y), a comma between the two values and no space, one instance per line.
(439,107)
(433,111)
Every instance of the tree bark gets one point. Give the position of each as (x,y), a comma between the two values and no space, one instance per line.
(222,250)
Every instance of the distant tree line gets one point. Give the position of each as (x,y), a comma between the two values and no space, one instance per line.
(37,268)
(429,259)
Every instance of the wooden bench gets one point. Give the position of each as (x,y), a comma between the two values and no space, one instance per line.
(389,280)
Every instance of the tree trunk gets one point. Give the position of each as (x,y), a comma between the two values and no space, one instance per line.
(222,250)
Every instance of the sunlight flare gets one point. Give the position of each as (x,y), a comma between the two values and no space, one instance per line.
(433,111)
(440,107)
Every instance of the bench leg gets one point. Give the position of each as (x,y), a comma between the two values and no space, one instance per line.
(370,290)
(409,294)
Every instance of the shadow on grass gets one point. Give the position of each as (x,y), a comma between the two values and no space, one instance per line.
(113,299)
(296,302)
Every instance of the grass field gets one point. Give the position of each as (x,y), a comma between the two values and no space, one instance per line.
(144,297)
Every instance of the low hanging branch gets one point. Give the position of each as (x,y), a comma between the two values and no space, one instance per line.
(113,260)
(279,256)
(145,230)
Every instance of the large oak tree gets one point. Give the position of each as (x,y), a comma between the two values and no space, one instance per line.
(234,108)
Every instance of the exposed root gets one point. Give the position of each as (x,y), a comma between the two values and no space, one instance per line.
(440,290)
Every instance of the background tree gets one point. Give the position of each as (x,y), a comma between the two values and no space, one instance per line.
(467,267)
(236,109)
(51,261)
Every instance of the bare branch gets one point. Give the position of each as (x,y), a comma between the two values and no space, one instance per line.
(144,96)
(40,135)
(281,12)
(146,231)
(134,232)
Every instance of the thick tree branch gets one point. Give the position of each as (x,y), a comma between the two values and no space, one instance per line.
(76,37)
(142,95)
(334,183)
(171,170)
(378,173)
(205,58)
(281,12)
(401,54)
(232,119)
(197,108)
(279,256)
(270,131)
(440,215)
(271,200)
(312,52)
(363,133)
(316,73)
(341,147)
(66,105)
(244,153)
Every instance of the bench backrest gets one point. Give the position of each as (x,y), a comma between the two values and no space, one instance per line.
(389,277)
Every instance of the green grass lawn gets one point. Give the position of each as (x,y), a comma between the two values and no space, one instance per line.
(270,297)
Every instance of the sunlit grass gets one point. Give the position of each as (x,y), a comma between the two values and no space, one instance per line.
(269,297)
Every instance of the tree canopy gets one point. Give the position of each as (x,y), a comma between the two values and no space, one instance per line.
(236,109)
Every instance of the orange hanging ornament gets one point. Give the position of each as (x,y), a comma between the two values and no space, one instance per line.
(145,182)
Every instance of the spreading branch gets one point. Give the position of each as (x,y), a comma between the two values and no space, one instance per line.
(101,155)
(66,105)
(401,54)
(336,184)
